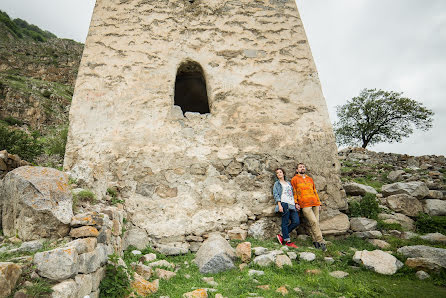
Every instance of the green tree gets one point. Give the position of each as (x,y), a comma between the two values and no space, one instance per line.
(377,116)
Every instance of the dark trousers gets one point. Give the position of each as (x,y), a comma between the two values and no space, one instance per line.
(290,221)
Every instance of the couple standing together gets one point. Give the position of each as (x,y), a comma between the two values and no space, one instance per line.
(300,194)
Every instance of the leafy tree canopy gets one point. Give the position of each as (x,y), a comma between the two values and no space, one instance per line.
(377,116)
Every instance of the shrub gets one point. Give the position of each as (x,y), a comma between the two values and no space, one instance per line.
(56,143)
(389,226)
(366,207)
(430,224)
(116,282)
(113,193)
(85,195)
(28,147)
(12,121)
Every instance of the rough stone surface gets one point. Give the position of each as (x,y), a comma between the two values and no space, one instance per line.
(36,203)
(144,287)
(434,237)
(416,189)
(435,194)
(333,222)
(137,238)
(198,293)
(405,204)
(87,219)
(85,231)
(84,284)
(378,261)
(395,175)
(362,224)
(215,255)
(357,189)
(257,64)
(435,207)
(422,275)
(307,256)
(164,274)
(368,234)
(65,289)
(148,257)
(9,274)
(144,271)
(406,222)
(283,260)
(243,251)
(237,234)
(57,264)
(83,245)
(423,263)
(173,249)
(91,261)
(437,255)
(379,243)
(260,250)
(264,260)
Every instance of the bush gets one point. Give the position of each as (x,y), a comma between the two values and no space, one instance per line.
(56,143)
(28,147)
(116,282)
(12,121)
(85,195)
(430,224)
(389,226)
(366,207)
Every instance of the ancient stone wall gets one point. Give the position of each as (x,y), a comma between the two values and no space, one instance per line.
(190,174)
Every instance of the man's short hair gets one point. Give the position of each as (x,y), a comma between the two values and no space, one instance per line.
(301,163)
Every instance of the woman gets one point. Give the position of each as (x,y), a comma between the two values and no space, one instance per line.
(284,198)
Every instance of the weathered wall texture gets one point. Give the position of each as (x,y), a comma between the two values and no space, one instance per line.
(183,175)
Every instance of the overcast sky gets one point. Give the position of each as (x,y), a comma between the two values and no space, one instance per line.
(397,45)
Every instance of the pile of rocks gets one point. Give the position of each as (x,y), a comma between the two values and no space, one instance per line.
(9,162)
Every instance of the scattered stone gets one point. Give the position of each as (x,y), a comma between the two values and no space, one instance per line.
(435,207)
(242,266)
(282,260)
(143,270)
(307,256)
(164,274)
(85,231)
(405,204)
(434,237)
(83,245)
(313,271)
(368,234)
(297,290)
(161,263)
(65,289)
(173,249)
(9,274)
(237,234)
(215,255)
(144,287)
(148,258)
(422,275)
(395,175)
(136,252)
(37,203)
(379,243)
(437,255)
(406,222)
(329,260)
(422,264)
(409,235)
(210,281)
(361,224)
(417,189)
(263,287)
(333,222)
(357,189)
(260,250)
(292,255)
(253,272)
(57,264)
(199,293)
(435,194)
(282,290)
(264,260)
(378,261)
(339,274)
(243,251)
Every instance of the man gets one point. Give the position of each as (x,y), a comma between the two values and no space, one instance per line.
(306,195)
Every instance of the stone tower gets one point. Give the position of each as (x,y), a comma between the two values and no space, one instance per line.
(187,107)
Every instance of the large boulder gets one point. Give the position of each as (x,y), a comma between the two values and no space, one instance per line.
(406,222)
(362,224)
(57,264)
(36,203)
(416,189)
(9,274)
(333,222)
(378,261)
(435,207)
(215,255)
(357,189)
(405,204)
(436,255)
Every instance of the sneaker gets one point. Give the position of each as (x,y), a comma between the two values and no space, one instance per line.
(323,247)
(291,244)
(317,245)
(280,238)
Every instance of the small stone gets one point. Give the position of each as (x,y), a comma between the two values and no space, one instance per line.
(85,231)
(263,287)
(307,256)
(243,251)
(187,276)
(260,250)
(264,260)
(282,290)
(144,287)
(379,243)
(210,281)
(161,263)
(434,237)
(164,274)
(148,258)
(242,266)
(329,260)
(422,275)
(283,260)
(313,271)
(136,252)
(297,290)
(237,234)
(253,272)
(292,255)
(338,274)
(199,293)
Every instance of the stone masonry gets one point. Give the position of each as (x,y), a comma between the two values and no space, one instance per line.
(190,174)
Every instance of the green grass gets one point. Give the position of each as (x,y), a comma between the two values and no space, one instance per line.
(360,283)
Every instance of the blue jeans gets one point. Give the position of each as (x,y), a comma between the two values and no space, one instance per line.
(287,226)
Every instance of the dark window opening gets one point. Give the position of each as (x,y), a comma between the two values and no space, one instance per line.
(190,89)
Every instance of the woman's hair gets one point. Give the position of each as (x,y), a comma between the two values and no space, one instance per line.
(283,171)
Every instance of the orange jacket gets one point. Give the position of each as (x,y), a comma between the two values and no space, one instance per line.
(304,191)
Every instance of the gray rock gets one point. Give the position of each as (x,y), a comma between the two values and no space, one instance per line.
(96,278)
(57,264)
(83,245)
(422,275)
(435,207)
(404,204)
(253,272)
(161,263)
(406,222)
(361,224)
(329,260)
(292,255)
(136,237)
(333,222)
(409,235)
(173,249)
(338,274)
(36,203)
(264,260)
(379,243)
(434,237)
(417,189)
(91,261)
(260,250)
(307,256)
(215,255)
(378,261)
(29,246)
(66,289)
(368,234)
(9,274)
(283,260)
(395,175)
(357,189)
(438,255)
(84,284)
(435,194)
(261,229)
